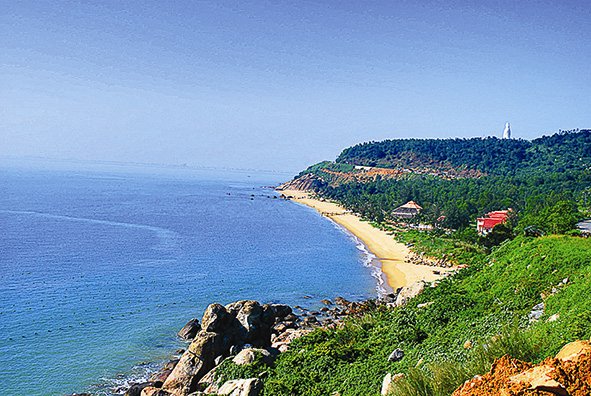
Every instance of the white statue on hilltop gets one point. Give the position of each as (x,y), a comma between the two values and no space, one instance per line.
(507,131)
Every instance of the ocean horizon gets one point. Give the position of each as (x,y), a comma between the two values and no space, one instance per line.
(101,268)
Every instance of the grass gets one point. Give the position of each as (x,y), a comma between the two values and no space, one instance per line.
(486,304)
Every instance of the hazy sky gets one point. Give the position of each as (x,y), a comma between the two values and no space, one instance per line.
(279,84)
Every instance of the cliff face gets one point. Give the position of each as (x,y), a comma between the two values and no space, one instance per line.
(307,182)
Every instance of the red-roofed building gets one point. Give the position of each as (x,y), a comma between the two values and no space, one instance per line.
(484,225)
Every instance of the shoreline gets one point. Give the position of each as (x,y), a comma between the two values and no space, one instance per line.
(387,251)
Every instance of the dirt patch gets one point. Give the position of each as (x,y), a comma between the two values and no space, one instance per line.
(567,374)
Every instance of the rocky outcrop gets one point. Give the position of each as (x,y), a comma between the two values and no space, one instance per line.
(306,182)
(190,330)
(243,329)
(568,373)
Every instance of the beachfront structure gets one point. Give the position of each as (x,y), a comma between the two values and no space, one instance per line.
(484,225)
(507,131)
(407,211)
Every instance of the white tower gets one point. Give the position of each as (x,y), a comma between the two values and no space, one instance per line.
(507,131)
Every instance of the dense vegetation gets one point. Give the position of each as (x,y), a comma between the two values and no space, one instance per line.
(560,152)
(545,175)
(486,304)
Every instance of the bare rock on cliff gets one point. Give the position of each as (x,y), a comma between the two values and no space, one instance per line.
(306,182)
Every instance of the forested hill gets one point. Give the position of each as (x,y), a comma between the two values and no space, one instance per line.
(462,179)
(562,151)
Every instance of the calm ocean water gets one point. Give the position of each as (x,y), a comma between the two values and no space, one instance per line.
(98,270)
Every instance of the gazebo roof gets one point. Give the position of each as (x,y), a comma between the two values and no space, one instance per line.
(411,205)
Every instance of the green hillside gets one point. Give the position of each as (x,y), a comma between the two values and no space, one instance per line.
(462,179)
(486,305)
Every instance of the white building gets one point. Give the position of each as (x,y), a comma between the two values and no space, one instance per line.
(507,131)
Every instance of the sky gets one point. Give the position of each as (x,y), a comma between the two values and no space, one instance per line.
(281,85)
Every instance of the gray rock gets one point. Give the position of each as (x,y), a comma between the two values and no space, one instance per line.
(536,312)
(190,330)
(396,355)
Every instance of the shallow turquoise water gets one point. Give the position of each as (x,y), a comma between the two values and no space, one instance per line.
(99,270)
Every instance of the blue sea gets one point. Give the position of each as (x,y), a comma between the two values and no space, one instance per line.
(99,268)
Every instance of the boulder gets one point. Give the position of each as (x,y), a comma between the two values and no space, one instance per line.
(540,378)
(536,312)
(209,384)
(389,380)
(280,327)
(249,325)
(215,318)
(573,350)
(136,389)
(396,355)
(241,387)
(161,375)
(248,356)
(195,363)
(190,330)
(153,391)
(282,341)
(408,292)
(281,310)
